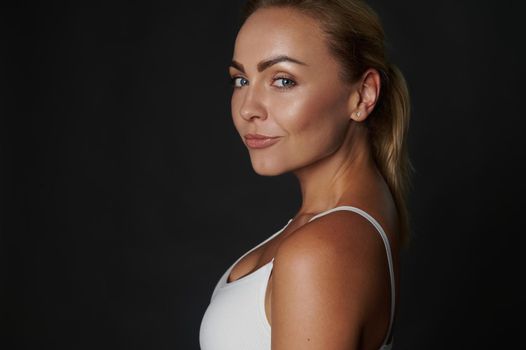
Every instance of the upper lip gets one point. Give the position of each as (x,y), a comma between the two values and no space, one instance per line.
(259,136)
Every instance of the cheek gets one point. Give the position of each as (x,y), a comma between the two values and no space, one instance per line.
(311,113)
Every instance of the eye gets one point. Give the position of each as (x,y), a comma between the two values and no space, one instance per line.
(233,82)
(286,82)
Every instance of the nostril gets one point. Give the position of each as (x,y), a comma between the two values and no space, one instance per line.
(249,114)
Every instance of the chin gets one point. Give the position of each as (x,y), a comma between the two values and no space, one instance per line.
(267,168)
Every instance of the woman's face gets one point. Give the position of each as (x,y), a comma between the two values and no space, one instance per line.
(304,103)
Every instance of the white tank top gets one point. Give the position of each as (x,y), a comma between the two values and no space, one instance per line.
(235,319)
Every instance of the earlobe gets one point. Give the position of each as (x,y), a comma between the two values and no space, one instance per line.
(355,101)
(357,116)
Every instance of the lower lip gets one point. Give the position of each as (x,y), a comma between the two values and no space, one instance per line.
(261,143)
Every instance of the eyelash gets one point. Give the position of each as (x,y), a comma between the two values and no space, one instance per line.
(233,82)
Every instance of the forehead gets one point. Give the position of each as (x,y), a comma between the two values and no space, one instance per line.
(280,31)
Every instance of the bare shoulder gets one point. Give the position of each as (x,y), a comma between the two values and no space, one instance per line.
(344,239)
(330,280)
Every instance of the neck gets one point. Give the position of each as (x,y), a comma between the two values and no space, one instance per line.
(340,176)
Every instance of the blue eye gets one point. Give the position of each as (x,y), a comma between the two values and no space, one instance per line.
(286,82)
(233,81)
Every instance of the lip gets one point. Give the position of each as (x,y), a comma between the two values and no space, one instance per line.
(259,136)
(260,141)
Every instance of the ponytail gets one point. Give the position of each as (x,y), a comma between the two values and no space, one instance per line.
(388,127)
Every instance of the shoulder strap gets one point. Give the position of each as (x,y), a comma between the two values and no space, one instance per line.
(387,248)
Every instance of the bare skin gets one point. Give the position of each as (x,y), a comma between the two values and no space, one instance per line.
(329,288)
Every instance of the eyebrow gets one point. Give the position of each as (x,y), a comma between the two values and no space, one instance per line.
(267,63)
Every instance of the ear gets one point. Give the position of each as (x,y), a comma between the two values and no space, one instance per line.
(368,91)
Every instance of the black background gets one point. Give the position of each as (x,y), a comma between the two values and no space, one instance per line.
(126,191)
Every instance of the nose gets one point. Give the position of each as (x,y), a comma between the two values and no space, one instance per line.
(252,105)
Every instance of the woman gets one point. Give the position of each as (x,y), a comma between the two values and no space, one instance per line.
(314,95)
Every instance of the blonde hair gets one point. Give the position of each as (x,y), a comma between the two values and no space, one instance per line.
(356,38)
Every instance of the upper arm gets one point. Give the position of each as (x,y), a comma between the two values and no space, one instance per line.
(328,279)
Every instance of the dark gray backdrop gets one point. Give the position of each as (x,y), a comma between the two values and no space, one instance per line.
(126,191)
